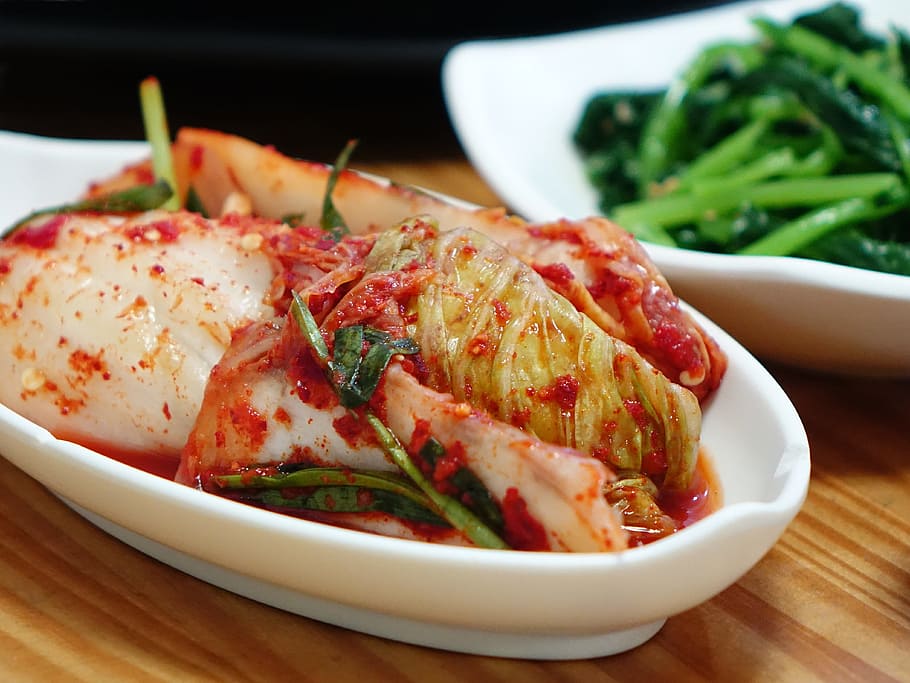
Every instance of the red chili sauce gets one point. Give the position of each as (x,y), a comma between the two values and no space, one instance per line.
(703,496)
(164,466)
(521,530)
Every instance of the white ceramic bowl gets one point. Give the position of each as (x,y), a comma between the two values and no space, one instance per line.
(514,104)
(503,603)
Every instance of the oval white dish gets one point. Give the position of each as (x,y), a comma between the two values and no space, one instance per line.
(507,603)
(514,104)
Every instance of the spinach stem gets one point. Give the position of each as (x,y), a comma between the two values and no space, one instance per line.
(791,237)
(664,127)
(828,54)
(727,154)
(775,162)
(138,198)
(327,476)
(789,192)
(159,138)
(901,142)
(304,319)
(331,219)
(447,507)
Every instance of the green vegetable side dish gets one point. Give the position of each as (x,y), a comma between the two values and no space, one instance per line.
(793,144)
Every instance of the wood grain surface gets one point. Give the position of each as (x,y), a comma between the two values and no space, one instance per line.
(830,602)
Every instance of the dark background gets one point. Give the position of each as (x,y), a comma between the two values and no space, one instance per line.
(305,77)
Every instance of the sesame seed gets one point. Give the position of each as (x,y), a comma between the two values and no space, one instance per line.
(251,241)
(32,379)
(463,409)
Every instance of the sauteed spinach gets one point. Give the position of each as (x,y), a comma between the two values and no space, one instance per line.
(794,143)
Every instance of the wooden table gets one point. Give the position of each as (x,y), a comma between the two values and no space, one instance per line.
(830,602)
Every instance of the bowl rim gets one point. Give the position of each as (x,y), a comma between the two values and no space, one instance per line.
(37,451)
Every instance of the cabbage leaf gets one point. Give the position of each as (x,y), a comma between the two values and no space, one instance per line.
(493,334)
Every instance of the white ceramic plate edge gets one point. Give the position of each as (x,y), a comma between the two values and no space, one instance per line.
(513,601)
